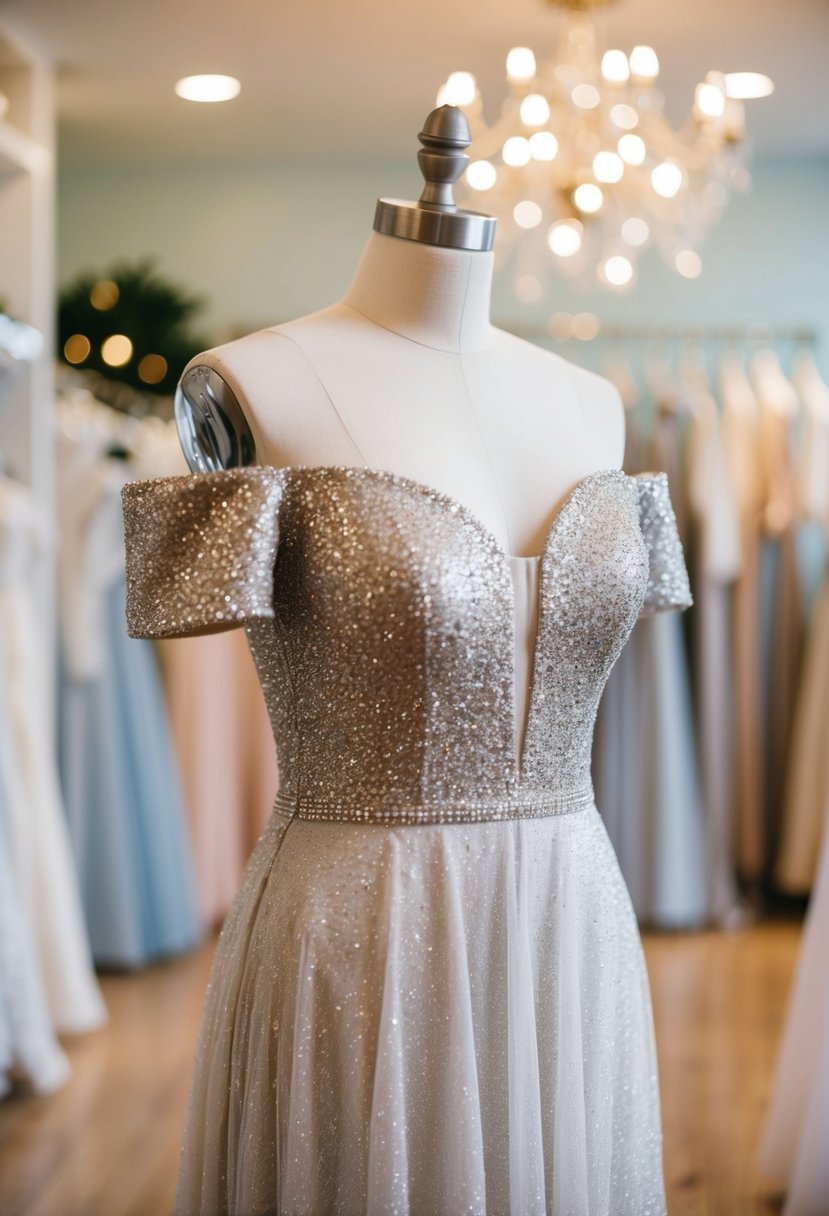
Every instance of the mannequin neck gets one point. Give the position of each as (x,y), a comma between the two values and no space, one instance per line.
(437,297)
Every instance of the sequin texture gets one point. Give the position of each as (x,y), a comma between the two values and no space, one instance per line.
(430,994)
(382,633)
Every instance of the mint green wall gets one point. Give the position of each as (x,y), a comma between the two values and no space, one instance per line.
(268,242)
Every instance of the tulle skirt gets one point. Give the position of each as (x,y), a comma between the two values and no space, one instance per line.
(433,1020)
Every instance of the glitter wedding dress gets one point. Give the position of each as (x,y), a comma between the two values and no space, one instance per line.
(429,996)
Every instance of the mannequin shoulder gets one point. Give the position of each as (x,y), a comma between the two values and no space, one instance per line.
(228,394)
(600,405)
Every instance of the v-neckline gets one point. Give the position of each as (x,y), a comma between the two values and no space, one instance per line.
(455,506)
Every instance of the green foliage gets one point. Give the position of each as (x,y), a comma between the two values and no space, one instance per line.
(153,313)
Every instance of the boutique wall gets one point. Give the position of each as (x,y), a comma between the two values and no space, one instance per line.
(264,243)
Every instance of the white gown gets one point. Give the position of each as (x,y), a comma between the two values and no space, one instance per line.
(40,850)
(29,1051)
(430,994)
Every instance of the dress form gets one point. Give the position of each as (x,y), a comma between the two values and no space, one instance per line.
(405,373)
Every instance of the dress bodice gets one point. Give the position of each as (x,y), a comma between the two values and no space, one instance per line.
(381,618)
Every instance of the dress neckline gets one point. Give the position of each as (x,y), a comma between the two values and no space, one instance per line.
(455,506)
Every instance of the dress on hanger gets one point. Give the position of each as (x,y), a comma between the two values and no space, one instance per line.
(644,756)
(41,854)
(796,1132)
(782,612)
(224,747)
(713,508)
(29,1052)
(741,437)
(121,784)
(807,778)
(430,993)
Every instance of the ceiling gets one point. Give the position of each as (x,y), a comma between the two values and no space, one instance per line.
(354,80)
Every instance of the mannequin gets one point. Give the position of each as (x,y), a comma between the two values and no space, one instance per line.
(430,993)
(407,374)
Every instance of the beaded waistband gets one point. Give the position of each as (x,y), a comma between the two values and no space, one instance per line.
(532,806)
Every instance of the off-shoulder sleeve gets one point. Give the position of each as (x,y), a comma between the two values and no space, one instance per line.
(668,585)
(200,551)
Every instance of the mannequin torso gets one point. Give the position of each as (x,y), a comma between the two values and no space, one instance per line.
(406,374)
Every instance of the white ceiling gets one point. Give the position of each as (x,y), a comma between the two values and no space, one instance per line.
(355,78)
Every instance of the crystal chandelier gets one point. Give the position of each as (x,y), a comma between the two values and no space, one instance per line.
(584,171)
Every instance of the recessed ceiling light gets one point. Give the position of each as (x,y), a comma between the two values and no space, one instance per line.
(747,85)
(208,88)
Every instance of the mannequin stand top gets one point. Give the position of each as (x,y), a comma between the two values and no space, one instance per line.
(407,374)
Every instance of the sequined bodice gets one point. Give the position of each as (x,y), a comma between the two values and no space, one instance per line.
(380,615)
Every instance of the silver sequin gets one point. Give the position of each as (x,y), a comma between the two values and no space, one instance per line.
(438,1003)
(379,613)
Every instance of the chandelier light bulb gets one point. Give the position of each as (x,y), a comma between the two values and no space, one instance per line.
(584,157)
(666,179)
(624,116)
(615,67)
(564,238)
(535,110)
(543,145)
(635,231)
(618,270)
(608,166)
(208,88)
(460,89)
(516,151)
(481,175)
(744,86)
(632,149)
(710,100)
(527,214)
(688,263)
(520,64)
(585,96)
(644,64)
(588,198)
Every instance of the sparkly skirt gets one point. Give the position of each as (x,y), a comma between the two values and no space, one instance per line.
(428,1020)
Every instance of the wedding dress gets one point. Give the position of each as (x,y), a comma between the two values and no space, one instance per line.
(430,994)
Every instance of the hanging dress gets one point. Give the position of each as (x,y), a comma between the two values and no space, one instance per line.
(645,764)
(713,508)
(807,779)
(121,784)
(793,1147)
(41,855)
(782,612)
(740,424)
(29,1051)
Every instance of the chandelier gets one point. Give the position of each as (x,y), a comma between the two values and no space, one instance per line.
(583,169)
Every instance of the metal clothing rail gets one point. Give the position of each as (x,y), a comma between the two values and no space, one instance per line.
(611,331)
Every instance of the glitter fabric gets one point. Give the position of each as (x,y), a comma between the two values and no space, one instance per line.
(667,576)
(383,633)
(429,996)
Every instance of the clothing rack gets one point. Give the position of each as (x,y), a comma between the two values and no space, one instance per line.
(708,333)
(612,331)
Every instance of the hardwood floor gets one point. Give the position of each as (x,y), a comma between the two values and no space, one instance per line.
(107,1145)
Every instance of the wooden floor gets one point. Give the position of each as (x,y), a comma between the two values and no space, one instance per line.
(107,1145)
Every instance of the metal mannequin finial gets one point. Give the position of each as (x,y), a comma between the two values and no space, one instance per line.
(435,218)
